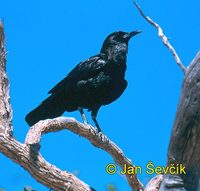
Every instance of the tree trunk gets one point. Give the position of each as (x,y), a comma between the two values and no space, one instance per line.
(184,145)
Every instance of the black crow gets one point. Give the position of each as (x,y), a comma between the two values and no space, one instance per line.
(94,82)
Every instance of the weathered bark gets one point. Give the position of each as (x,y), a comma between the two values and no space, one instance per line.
(184,145)
(154,183)
(5,108)
(40,169)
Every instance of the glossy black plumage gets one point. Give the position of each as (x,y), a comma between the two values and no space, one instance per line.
(97,81)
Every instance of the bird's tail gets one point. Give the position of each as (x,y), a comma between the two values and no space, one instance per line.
(50,108)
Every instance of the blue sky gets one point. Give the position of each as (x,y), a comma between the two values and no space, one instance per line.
(46,39)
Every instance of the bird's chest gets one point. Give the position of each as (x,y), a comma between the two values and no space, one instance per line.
(116,69)
(117,62)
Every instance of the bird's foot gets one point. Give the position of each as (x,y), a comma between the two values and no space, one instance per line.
(90,128)
(98,129)
(100,135)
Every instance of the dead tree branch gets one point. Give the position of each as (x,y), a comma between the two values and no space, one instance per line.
(185,139)
(5,107)
(163,38)
(39,168)
(154,183)
(97,139)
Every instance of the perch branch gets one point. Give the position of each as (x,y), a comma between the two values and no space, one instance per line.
(163,38)
(97,139)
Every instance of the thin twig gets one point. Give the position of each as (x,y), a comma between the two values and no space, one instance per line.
(163,38)
(97,139)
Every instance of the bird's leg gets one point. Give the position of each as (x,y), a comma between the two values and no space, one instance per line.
(94,115)
(96,124)
(83,115)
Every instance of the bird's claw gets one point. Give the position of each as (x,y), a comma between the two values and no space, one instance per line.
(90,128)
(85,122)
(100,135)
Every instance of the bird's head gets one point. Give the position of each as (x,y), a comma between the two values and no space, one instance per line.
(117,38)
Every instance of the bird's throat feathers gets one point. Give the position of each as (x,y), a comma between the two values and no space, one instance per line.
(116,51)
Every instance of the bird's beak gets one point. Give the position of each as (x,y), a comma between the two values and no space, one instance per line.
(129,35)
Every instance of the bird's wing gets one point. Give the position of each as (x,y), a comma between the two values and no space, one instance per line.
(83,71)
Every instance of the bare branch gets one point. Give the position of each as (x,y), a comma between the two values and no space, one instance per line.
(163,38)
(185,138)
(89,132)
(154,183)
(41,170)
(5,107)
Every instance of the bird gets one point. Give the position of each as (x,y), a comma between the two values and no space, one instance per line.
(95,82)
